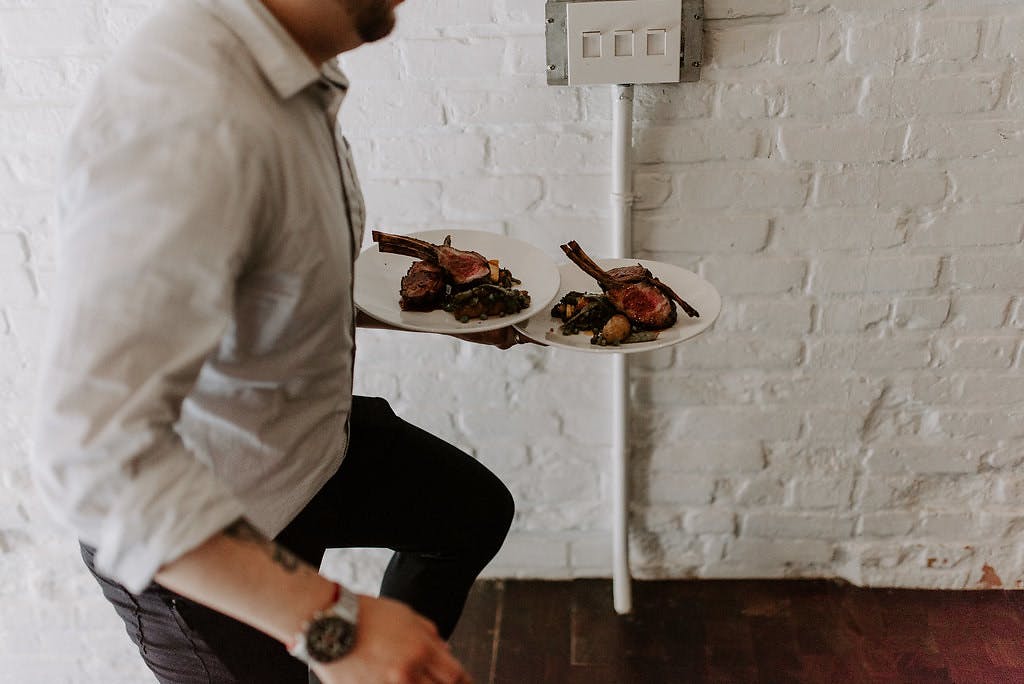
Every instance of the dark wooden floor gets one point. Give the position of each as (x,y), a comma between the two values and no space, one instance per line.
(748,632)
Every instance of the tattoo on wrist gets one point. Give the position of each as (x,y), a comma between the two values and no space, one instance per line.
(243,530)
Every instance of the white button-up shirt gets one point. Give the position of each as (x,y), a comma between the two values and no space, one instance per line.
(199,359)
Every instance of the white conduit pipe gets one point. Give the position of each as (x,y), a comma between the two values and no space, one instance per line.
(622,207)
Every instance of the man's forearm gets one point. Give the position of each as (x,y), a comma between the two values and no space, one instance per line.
(241,573)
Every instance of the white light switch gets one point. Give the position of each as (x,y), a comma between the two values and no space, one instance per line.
(656,41)
(624,41)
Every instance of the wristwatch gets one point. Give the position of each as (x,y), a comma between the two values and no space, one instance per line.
(330,633)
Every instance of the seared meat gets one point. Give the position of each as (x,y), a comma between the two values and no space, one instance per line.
(461,267)
(633,290)
(422,287)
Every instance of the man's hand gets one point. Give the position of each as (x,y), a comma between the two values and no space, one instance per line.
(503,338)
(394,645)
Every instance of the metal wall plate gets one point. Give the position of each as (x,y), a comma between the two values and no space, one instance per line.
(556,42)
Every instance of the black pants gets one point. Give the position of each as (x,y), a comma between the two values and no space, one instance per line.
(444,514)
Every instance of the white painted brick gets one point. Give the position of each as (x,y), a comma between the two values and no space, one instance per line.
(423,156)
(861,142)
(718,188)
(796,525)
(773,316)
(48,30)
(729,423)
(765,489)
(755,275)
(734,9)
(773,552)
(993,389)
(448,59)
(703,456)
(969,229)
(912,187)
(824,98)
(384,106)
(591,552)
(576,194)
(676,488)
(490,197)
(987,181)
(884,354)
(740,46)
(878,43)
(940,40)
(402,200)
(751,101)
(946,95)
(965,139)
(662,103)
(650,190)
(887,523)
(960,525)
(431,13)
(740,352)
(817,388)
(554,152)
(1009,40)
(979,310)
(979,424)
(854,314)
(820,492)
(921,313)
(527,55)
(798,43)
(374,62)
(531,550)
(517,105)
(977,352)
(711,521)
(696,143)
(922,458)
(824,231)
(849,185)
(988,271)
(702,233)
(874,274)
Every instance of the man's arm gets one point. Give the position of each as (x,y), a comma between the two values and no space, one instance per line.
(241,573)
(503,338)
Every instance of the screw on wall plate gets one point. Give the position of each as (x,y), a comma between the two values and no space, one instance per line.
(697,17)
(550,20)
(696,64)
(551,67)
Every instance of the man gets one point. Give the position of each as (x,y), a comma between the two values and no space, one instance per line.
(196,397)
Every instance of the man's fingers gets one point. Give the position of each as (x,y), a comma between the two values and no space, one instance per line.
(445,669)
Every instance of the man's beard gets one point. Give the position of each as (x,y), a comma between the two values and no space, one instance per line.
(373,19)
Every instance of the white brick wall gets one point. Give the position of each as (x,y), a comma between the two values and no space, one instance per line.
(848,173)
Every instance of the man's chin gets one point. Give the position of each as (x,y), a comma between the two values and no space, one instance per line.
(380,27)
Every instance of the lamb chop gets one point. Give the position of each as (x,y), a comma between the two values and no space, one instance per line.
(460,267)
(422,287)
(633,290)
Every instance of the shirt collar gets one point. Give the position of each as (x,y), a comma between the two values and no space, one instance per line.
(278,56)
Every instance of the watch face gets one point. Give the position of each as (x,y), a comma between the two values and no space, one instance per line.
(329,638)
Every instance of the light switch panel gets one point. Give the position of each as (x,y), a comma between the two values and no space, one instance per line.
(639,40)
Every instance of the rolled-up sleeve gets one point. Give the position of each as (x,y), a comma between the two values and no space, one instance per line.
(154,230)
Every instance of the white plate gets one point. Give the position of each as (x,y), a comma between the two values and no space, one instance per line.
(379,279)
(699,293)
